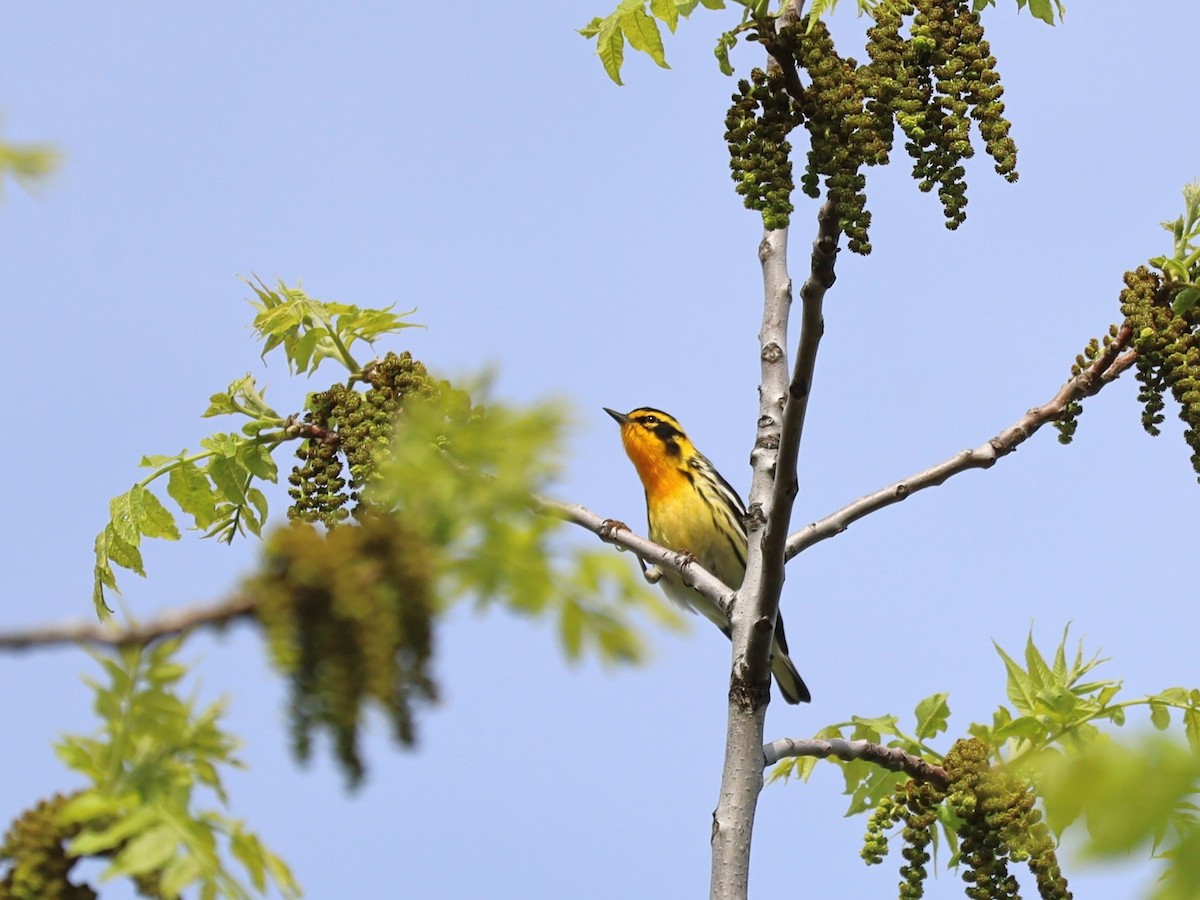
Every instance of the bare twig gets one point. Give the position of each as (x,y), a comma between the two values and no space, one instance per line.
(1105,369)
(891,758)
(109,635)
(619,535)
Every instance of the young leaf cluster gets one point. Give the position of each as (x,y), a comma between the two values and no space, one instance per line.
(144,767)
(1039,9)
(636,21)
(311,331)
(1181,270)
(348,619)
(215,485)
(987,813)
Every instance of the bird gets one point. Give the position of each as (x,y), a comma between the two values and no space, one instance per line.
(692,509)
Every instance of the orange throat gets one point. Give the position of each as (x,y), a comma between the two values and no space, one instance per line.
(662,475)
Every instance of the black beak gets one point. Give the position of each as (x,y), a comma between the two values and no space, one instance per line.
(620,417)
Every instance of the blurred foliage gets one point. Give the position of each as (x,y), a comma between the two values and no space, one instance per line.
(144,766)
(35,853)
(348,619)
(1046,747)
(1131,796)
(1163,315)
(26,163)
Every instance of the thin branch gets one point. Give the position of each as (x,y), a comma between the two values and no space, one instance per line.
(103,634)
(620,535)
(1105,369)
(892,758)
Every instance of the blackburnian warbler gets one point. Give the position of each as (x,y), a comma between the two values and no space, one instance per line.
(693,509)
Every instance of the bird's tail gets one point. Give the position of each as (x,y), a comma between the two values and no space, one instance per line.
(791,685)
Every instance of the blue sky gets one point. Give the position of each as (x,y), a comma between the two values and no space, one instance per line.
(583,241)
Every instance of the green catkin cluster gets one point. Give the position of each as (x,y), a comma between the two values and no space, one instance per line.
(347,615)
(916,805)
(842,131)
(951,79)
(35,850)
(1168,348)
(352,427)
(998,824)
(756,129)
(933,82)
(1068,422)
(1168,358)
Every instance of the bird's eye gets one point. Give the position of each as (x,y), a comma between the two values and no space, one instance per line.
(650,420)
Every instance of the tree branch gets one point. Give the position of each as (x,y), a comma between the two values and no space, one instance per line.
(783,402)
(891,758)
(1106,368)
(109,635)
(619,535)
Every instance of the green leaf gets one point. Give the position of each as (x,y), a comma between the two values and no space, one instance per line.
(1020,688)
(148,851)
(1160,716)
(181,871)
(257,460)
(1185,300)
(874,729)
(89,805)
(1028,728)
(667,11)
(155,520)
(92,841)
(592,28)
(188,487)
(222,444)
(1042,9)
(219,405)
(932,716)
(726,42)
(158,461)
(1039,673)
(124,554)
(123,518)
(643,35)
(610,45)
(229,477)
(1191,723)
